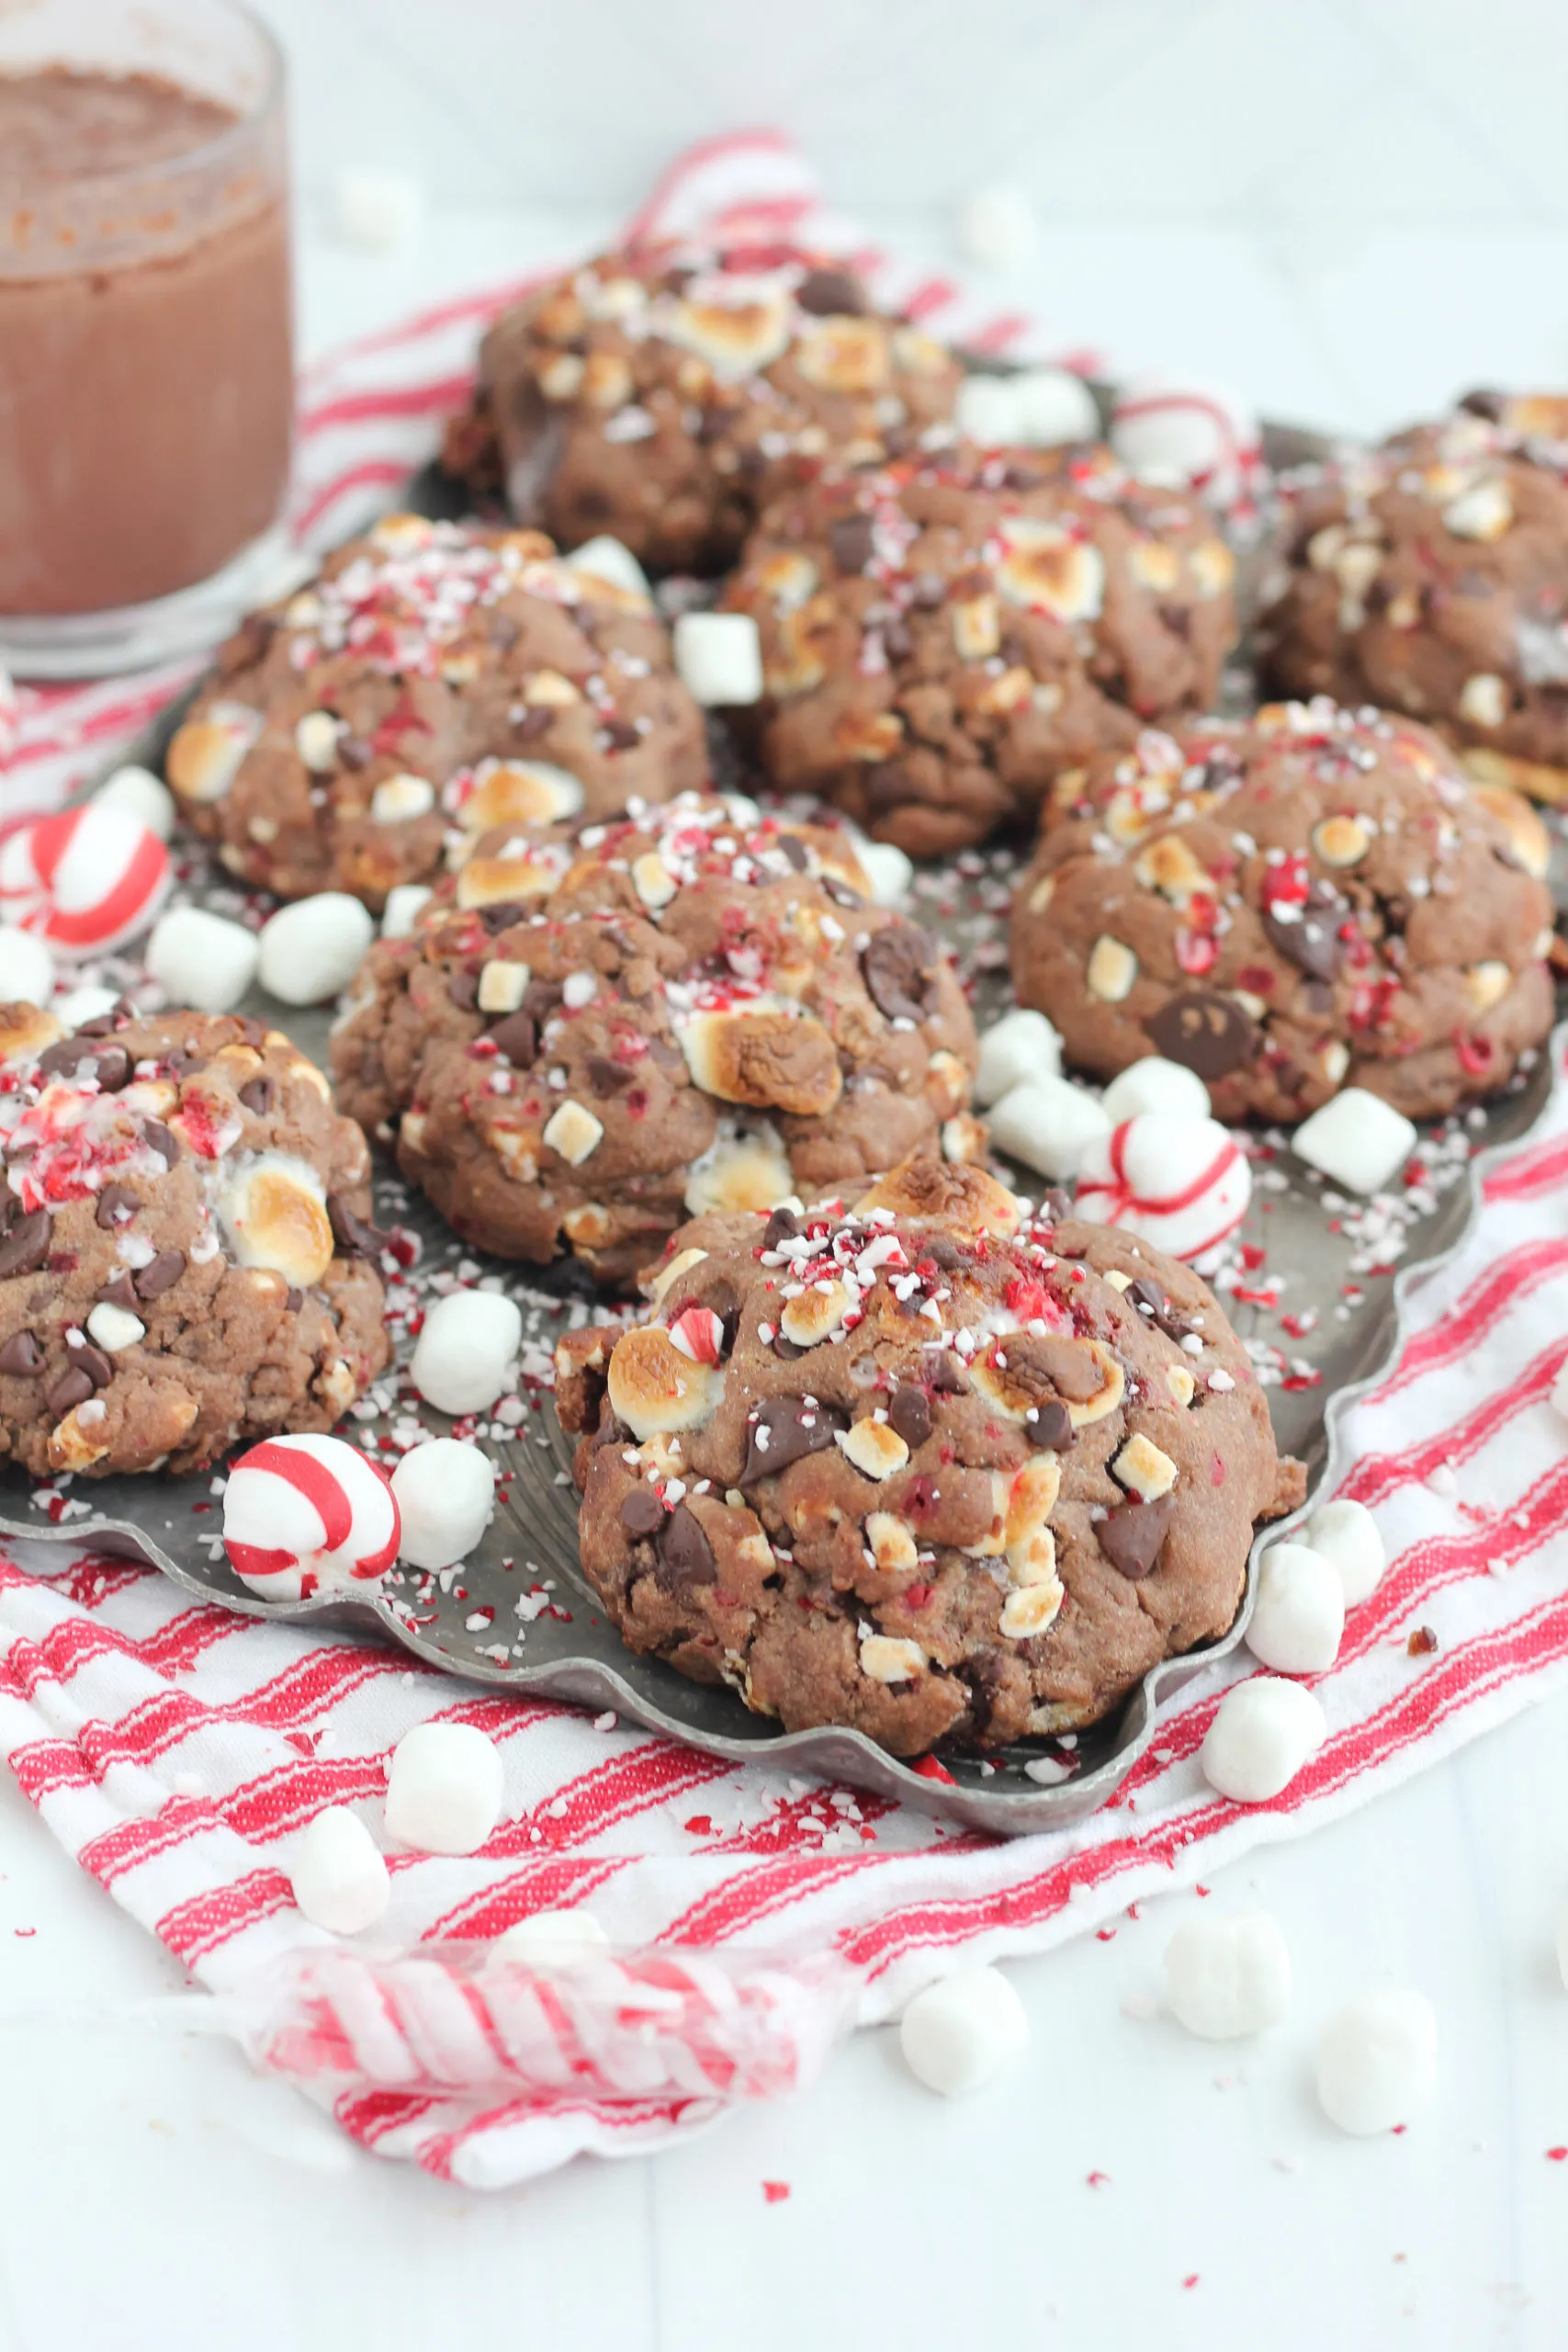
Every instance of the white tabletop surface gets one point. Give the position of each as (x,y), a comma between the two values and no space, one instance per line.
(152,2195)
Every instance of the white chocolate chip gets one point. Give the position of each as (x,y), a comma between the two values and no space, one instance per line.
(1483,700)
(885,1658)
(115,1328)
(316,740)
(503,986)
(1031,1609)
(1483,513)
(1111,969)
(1143,1469)
(400,798)
(652,880)
(574,1132)
(876,1449)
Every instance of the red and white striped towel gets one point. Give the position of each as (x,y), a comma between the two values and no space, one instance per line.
(176,1751)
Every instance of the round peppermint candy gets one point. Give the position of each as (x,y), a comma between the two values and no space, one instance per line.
(1192,437)
(303,1515)
(1179,1181)
(85,879)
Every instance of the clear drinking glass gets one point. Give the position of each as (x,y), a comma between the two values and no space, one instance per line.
(146,370)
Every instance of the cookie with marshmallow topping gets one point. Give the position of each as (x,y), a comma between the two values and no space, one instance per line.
(588,1038)
(433,680)
(1431,576)
(662,397)
(1310,900)
(943,637)
(918,1463)
(185,1258)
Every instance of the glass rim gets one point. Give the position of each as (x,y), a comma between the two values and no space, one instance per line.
(210,151)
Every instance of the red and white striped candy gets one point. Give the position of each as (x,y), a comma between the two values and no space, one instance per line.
(1179,1181)
(308,1514)
(698,1333)
(85,879)
(1192,437)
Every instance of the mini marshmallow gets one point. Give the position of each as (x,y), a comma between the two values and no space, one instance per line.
(719,657)
(1377,2063)
(26,968)
(146,794)
(202,959)
(1154,1084)
(956,2034)
(1052,407)
(996,226)
(86,1004)
(1229,1975)
(444,1789)
(379,211)
(1018,1047)
(445,1497)
(340,1876)
(311,951)
(610,559)
(402,909)
(887,870)
(1357,1140)
(1298,1618)
(1345,1535)
(1263,1734)
(561,1939)
(463,1353)
(1049,1124)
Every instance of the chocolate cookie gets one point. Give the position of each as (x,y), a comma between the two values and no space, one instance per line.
(589,1038)
(436,679)
(920,1465)
(663,402)
(1312,900)
(1431,576)
(185,1258)
(943,637)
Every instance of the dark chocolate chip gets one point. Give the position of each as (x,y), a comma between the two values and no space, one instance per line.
(158,1137)
(1056,1205)
(785,1349)
(668,1055)
(1017,477)
(641,1511)
(95,1363)
(897,962)
(794,852)
(928,591)
(943,1254)
(21,1356)
(27,1244)
(162,1274)
(87,1057)
(911,1415)
(946,1375)
(517,1037)
(112,1200)
(501,916)
(840,892)
(293,1300)
(1049,1425)
(850,539)
(784,1429)
(621,735)
(120,1294)
(607,1077)
(535,721)
(783,1225)
(832,294)
(353,752)
(686,1556)
(72,1387)
(1311,940)
(1151,1301)
(354,1237)
(1204,1032)
(1130,1538)
(258,1095)
(463,988)
(101,1025)
(1491,406)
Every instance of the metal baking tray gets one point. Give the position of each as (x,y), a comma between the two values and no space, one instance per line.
(518,1614)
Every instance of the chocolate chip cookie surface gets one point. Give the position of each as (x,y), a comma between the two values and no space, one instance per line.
(185,1258)
(591,1035)
(1310,900)
(661,400)
(1431,576)
(921,1465)
(434,680)
(943,637)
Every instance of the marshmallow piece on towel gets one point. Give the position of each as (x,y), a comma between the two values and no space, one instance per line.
(340,1876)
(1377,2063)
(1348,1536)
(1154,1084)
(444,1789)
(563,1940)
(957,2032)
(1298,1617)
(1181,1183)
(467,1346)
(1229,1976)
(376,211)
(202,959)
(1263,1734)
(719,657)
(446,1493)
(1357,1140)
(1020,1046)
(303,1515)
(311,950)
(1049,1124)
